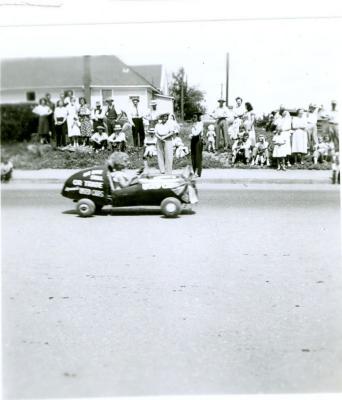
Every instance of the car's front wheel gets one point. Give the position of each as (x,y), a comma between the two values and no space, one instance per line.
(85,208)
(171,207)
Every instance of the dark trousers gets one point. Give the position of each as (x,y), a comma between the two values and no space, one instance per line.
(61,131)
(98,146)
(97,123)
(196,154)
(110,125)
(138,132)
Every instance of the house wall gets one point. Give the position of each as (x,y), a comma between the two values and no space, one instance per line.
(121,96)
(164,104)
(11,96)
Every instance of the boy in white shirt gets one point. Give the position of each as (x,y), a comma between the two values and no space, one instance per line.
(118,138)
(99,139)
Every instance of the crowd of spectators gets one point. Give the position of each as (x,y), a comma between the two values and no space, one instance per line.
(293,134)
(288,136)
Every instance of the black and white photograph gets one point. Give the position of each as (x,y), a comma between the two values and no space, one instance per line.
(170,199)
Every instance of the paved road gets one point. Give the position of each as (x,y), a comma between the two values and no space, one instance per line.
(244,296)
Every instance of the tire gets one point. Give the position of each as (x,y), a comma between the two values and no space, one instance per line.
(85,208)
(170,207)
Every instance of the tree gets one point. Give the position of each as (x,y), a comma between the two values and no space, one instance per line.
(188,99)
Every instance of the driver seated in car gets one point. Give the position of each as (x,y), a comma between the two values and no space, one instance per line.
(117,164)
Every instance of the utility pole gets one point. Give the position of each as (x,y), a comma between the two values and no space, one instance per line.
(221,91)
(227,80)
(182,98)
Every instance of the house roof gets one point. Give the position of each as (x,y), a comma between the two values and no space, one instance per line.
(65,72)
(152,73)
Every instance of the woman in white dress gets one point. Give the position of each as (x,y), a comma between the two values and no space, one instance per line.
(73,123)
(286,125)
(300,136)
(249,122)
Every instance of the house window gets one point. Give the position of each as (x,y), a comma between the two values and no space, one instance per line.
(30,96)
(106,94)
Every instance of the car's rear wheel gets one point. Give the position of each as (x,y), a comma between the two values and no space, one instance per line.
(85,208)
(171,207)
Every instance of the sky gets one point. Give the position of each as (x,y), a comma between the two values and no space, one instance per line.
(291,61)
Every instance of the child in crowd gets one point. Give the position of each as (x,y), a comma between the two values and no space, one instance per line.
(330,147)
(242,148)
(178,145)
(260,152)
(118,138)
(279,150)
(150,146)
(320,151)
(99,139)
(211,135)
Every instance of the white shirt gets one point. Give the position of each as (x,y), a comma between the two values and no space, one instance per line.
(312,117)
(239,111)
(42,110)
(221,112)
(60,112)
(99,138)
(163,130)
(333,117)
(98,113)
(197,129)
(136,112)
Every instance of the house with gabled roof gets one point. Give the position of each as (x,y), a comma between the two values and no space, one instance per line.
(97,78)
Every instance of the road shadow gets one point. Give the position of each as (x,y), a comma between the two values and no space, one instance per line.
(129,211)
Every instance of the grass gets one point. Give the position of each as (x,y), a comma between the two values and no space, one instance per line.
(32,156)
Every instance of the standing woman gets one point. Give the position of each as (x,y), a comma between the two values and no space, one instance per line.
(72,122)
(196,144)
(286,125)
(249,122)
(43,111)
(85,121)
(60,118)
(164,133)
(300,136)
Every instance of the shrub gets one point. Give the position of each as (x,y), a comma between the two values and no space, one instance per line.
(17,122)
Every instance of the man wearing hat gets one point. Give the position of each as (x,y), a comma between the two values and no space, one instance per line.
(311,119)
(221,114)
(152,114)
(164,133)
(111,115)
(99,138)
(118,138)
(98,116)
(136,113)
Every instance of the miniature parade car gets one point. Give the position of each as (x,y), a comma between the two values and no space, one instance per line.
(93,188)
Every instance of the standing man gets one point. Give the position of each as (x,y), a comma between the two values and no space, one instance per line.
(221,113)
(111,116)
(333,125)
(50,116)
(152,114)
(164,133)
(137,114)
(311,119)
